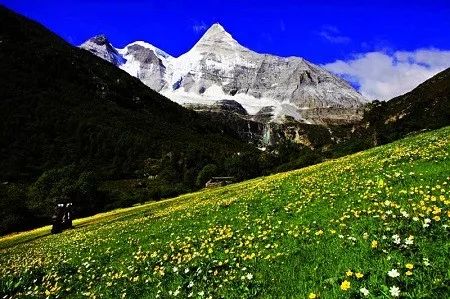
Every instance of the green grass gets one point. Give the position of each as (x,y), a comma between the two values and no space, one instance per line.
(286,235)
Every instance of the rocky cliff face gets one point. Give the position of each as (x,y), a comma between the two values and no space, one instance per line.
(219,68)
(100,46)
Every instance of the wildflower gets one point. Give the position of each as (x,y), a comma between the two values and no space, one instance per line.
(395,291)
(408,273)
(426,262)
(396,239)
(349,273)
(312,296)
(359,275)
(393,273)
(409,241)
(409,266)
(436,218)
(364,291)
(319,232)
(345,285)
(249,276)
(374,244)
(437,210)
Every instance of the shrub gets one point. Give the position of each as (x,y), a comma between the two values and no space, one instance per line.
(205,174)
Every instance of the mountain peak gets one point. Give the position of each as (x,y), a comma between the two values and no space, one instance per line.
(100,46)
(216,27)
(216,34)
(100,40)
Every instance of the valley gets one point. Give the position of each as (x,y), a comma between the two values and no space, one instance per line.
(223,171)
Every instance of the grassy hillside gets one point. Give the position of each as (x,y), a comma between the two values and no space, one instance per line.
(333,230)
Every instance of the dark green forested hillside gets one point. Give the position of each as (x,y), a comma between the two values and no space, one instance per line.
(68,116)
(60,105)
(427,107)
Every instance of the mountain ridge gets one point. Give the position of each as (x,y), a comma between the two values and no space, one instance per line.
(217,68)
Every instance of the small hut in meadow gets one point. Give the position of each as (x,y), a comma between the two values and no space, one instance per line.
(219,181)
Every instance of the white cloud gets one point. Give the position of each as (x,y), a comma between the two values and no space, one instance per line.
(383,76)
(333,35)
(199,27)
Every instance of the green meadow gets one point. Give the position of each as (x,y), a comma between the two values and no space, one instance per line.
(370,225)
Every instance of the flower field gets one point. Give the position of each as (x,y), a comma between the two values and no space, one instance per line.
(370,225)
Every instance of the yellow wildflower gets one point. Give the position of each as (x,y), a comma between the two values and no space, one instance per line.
(345,285)
(409,266)
(408,273)
(359,275)
(349,273)
(374,244)
(312,296)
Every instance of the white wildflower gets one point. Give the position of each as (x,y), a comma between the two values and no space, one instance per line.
(364,291)
(396,239)
(393,273)
(395,291)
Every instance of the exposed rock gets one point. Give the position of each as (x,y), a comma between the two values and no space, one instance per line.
(150,68)
(100,46)
(230,106)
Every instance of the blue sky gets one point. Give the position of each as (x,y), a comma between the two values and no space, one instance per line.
(324,32)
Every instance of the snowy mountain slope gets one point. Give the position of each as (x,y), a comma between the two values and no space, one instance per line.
(100,46)
(219,68)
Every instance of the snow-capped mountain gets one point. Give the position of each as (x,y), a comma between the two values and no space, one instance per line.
(219,68)
(100,46)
